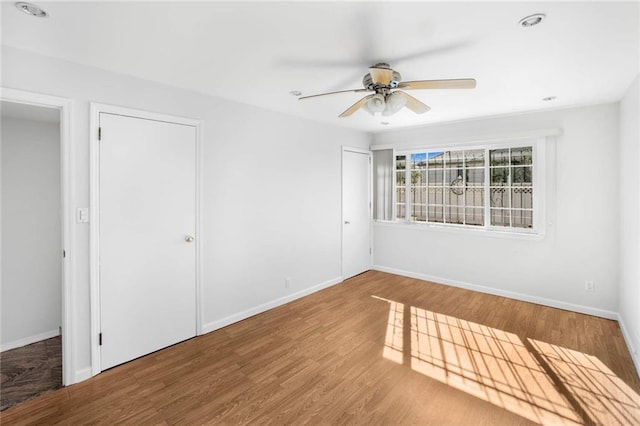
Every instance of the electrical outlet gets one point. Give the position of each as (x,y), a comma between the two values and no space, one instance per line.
(589,286)
(287,282)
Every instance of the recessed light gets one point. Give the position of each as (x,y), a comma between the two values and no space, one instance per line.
(31,9)
(384,123)
(548,98)
(295,93)
(532,20)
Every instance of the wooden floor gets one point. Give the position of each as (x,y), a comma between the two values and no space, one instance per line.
(377,349)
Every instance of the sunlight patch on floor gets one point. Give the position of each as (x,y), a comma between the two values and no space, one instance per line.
(393,341)
(606,399)
(544,383)
(488,363)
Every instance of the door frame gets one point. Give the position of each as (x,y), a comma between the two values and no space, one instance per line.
(94,213)
(67,191)
(369,154)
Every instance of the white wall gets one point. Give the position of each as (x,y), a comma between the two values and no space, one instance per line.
(581,241)
(31,239)
(271,189)
(629,219)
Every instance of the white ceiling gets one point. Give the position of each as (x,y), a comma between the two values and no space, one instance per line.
(257,52)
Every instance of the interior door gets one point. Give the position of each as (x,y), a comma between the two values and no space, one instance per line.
(356,212)
(147,231)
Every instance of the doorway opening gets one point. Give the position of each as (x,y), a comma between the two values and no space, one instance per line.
(36,251)
(32,252)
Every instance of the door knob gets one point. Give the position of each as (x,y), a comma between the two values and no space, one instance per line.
(189,239)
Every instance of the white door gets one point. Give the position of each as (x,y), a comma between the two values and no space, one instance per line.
(147,226)
(356,213)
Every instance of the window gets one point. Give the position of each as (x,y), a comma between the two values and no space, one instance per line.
(456,187)
(401,161)
(511,189)
(490,187)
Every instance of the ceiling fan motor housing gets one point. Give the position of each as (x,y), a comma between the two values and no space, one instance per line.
(367,82)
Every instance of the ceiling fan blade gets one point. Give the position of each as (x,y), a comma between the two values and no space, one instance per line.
(413,104)
(381,75)
(353,108)
(460,83)
(333,93)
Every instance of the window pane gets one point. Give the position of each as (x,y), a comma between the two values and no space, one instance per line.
(451,175)
(454,159)
(522,218)
(435,177)
(436,160)
(499,197)
(419,195)
(418,212)
(474,197)
(453,195)
(418,178)
(522,198)
(474,158)
(419,160)
(522,176)
(475,177)
(499,157)
(435,196)
(474,216)
(522,155)
(500,217)
(435,214)
(454,215)
(401,161)
(500,176)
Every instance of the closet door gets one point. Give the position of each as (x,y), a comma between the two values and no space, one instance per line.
(147,231)
(356,212)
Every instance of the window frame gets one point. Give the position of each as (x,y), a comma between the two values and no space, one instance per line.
(538,146)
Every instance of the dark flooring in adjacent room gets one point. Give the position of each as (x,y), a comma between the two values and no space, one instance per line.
(30,371)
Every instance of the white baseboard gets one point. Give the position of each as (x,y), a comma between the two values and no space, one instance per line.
(29,340)
(504,293)
(629,342)
(215,325)
(81,374)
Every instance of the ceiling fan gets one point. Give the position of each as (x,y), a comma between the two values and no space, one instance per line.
(387,98)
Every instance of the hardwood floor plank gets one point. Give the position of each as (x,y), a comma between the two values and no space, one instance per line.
(321,360)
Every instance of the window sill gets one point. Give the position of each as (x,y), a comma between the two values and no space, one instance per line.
(431,227)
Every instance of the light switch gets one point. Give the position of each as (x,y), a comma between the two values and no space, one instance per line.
(82,215)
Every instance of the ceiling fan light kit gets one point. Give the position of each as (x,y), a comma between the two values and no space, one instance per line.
(376,104)
(387,98)
(395,102)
